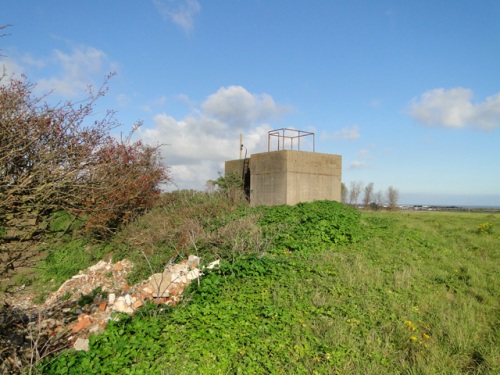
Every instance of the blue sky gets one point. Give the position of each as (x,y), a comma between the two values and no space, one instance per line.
(408,92)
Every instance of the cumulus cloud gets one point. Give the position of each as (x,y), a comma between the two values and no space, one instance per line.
(235,106)
(65,74)
(180,12)
(454,108)
(76,69)
(198,144)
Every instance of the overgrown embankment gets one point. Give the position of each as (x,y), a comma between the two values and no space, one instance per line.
(316,288)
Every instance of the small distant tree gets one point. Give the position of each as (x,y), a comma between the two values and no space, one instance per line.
(378,200)
(368,195)
(354,192)
(210,186)
(231,186)
(392,197)
(343,193)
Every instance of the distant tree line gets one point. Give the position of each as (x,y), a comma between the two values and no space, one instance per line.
(370,199)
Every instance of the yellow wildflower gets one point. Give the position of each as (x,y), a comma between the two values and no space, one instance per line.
(410,325)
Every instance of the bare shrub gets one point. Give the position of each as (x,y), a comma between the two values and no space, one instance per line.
(188,222)
(241,236)
(354,192)
(344,191)
(368,195)
(55,158)
(392,197)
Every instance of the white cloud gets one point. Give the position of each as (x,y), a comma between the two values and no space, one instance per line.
(180,12)
(77,68)
(66,74)
(198,144)
(235,106)
(349,133)
(11,67)
(30,60)
(161,101)
(364,153)
(454,108)
(154,104)
(15,63)
(183,98)
(123,100)
(357,164)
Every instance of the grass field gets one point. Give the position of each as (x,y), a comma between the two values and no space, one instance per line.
(411,293)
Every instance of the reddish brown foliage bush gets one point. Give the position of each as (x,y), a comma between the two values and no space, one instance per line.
(55,158)
(130,176)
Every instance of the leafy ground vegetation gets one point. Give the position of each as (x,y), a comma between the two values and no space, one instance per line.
(315,288)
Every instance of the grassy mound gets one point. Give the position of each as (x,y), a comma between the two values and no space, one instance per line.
(336,292)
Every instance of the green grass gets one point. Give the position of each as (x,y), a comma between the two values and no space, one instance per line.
(411,293)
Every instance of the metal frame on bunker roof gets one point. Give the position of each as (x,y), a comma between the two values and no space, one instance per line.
(285,134)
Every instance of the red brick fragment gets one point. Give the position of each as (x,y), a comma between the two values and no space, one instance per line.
(82,324)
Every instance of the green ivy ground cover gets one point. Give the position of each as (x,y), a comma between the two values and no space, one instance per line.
(311,226)
(387,293)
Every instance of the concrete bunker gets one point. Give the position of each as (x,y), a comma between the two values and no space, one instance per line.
(287,175)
